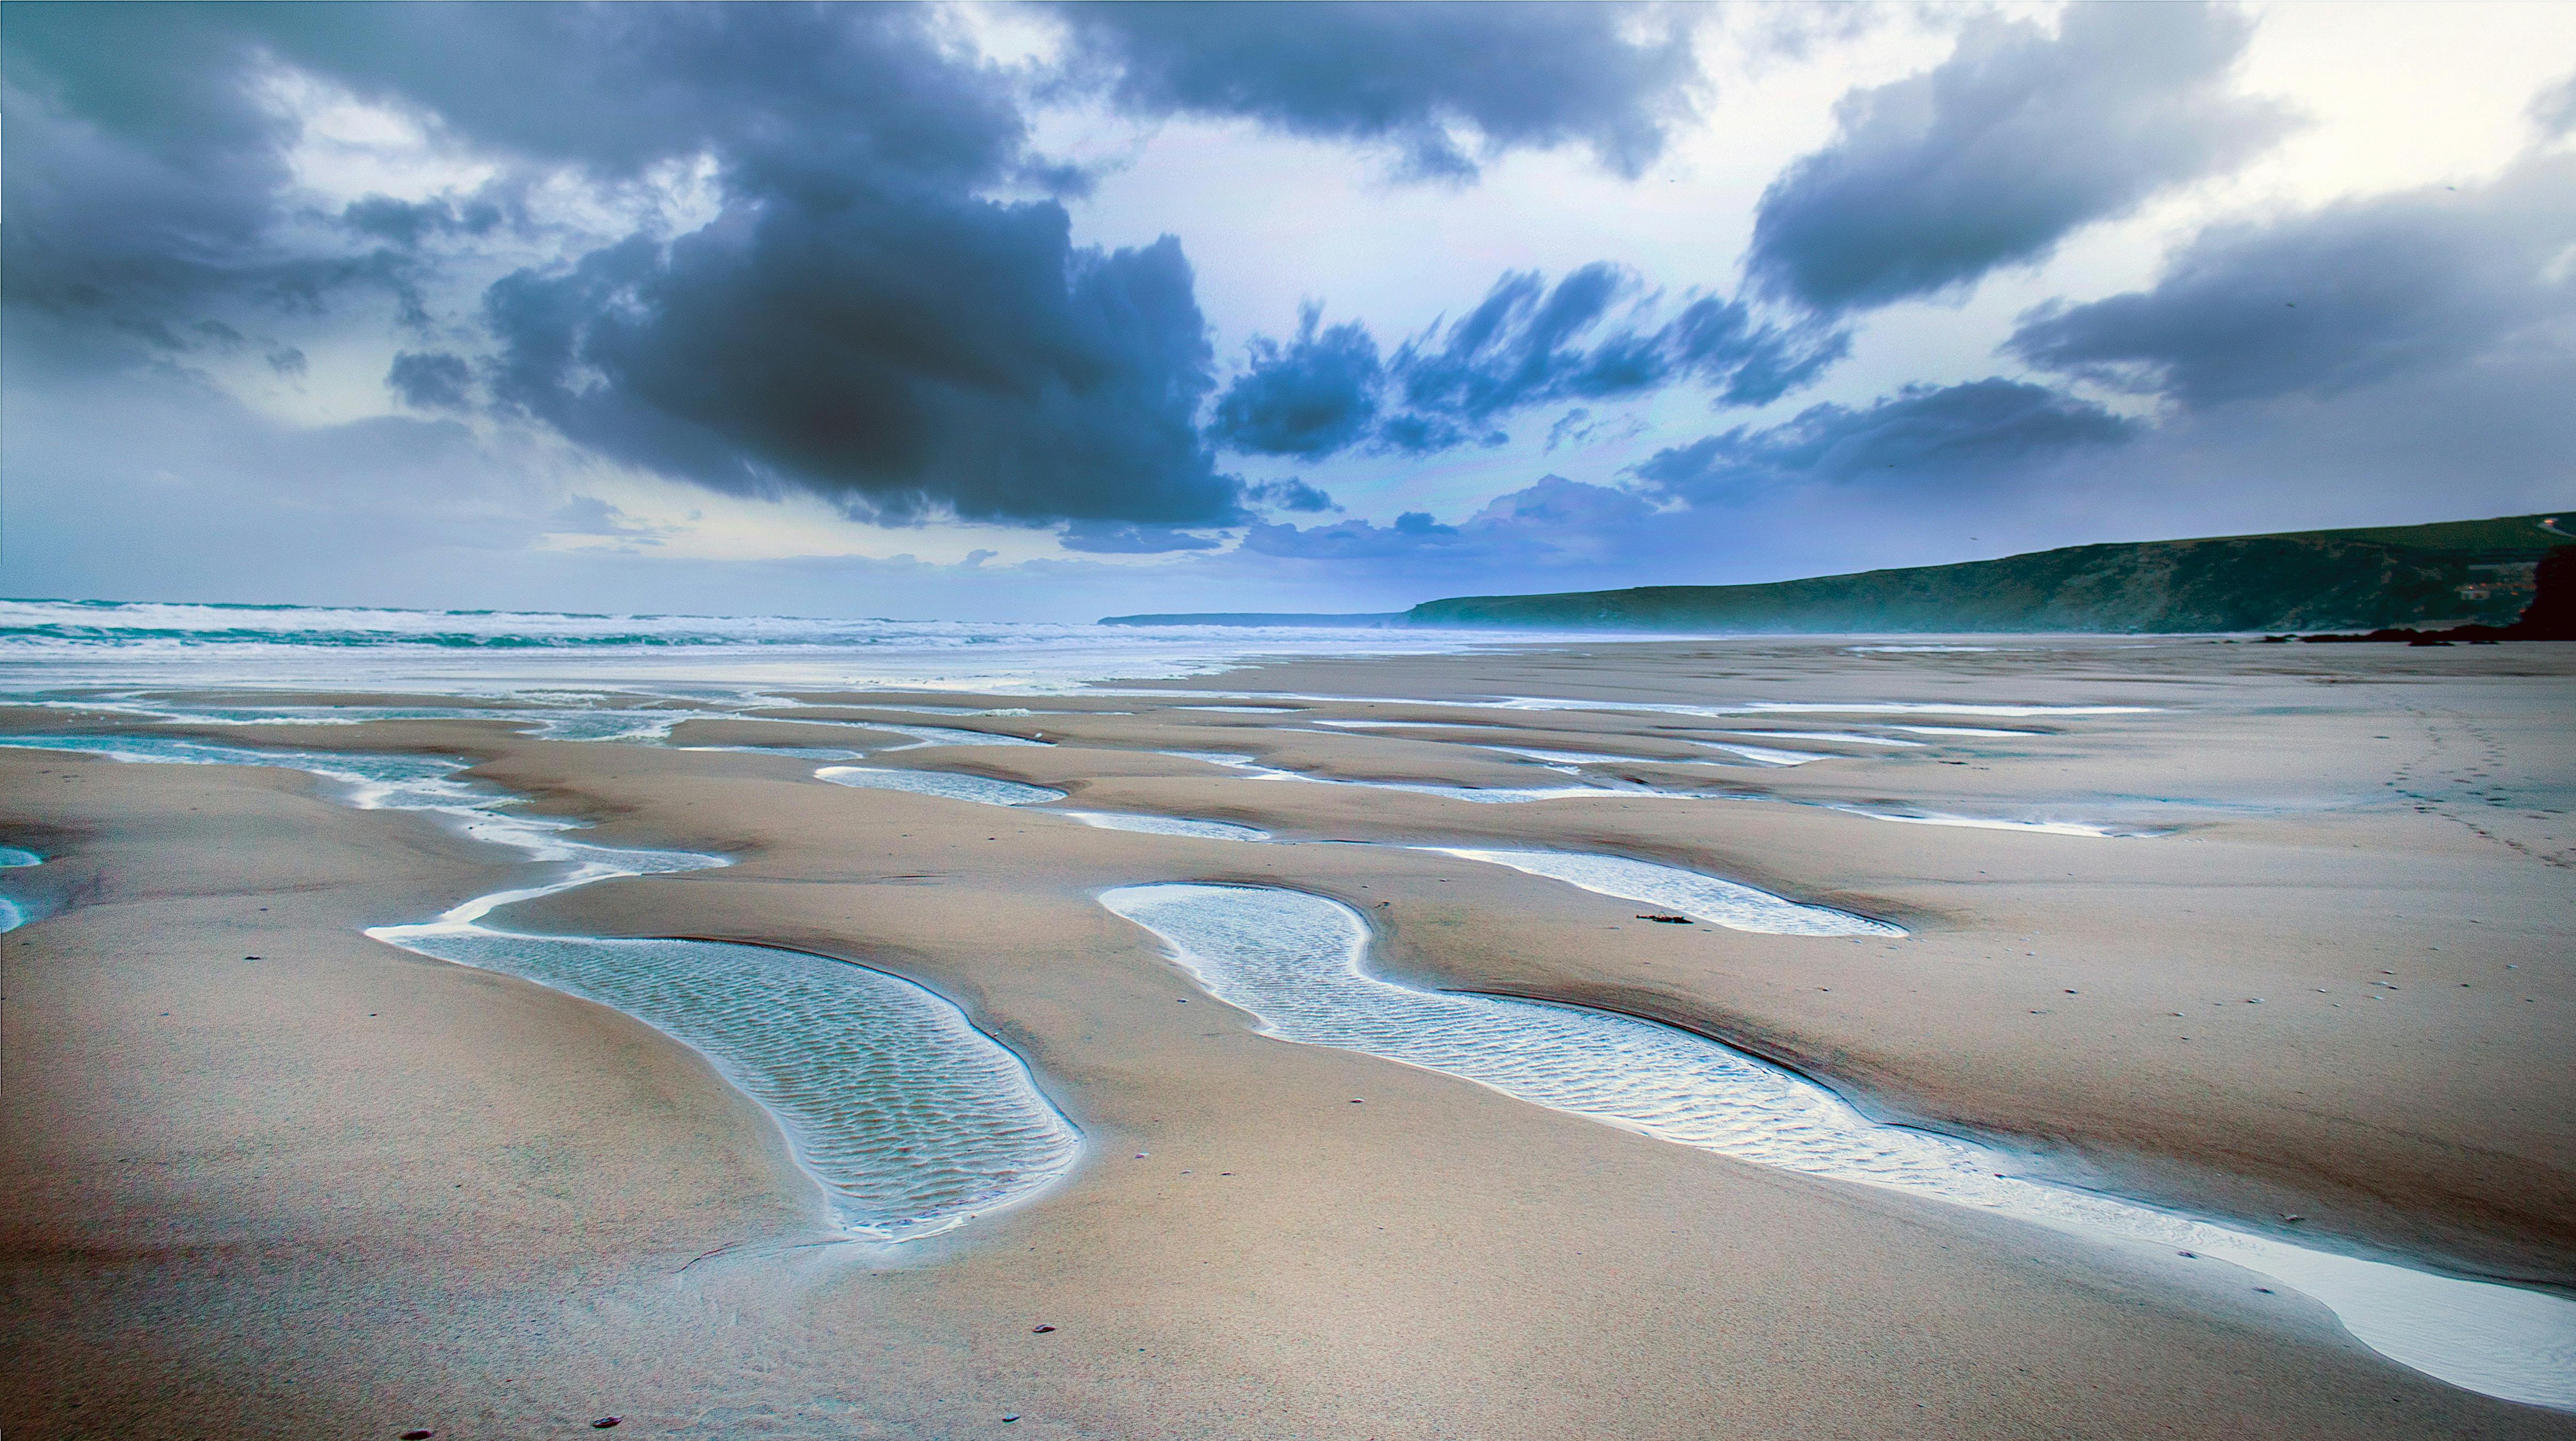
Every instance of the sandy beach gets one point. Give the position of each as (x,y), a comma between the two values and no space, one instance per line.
(2315,967)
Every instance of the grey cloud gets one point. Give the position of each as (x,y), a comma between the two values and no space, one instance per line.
(2554,110)
(1525,344)
(1289,494)
(406,223)
(2019,138)
(1121,538)
(1526,76)
(905,354)
(1310,397)
(1537,524)
(1983,432)
(617,88)
(589,515)
(2349,295)
(431,380)
(858,322)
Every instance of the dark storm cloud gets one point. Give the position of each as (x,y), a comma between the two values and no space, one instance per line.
(1993,156)
(407,223)
(1982,432)
(431,380)
(142,187)
(1289,494)
(1524,76)
(1310,397)
(858,321)
(902,354)
(2353,294)
(1525,344)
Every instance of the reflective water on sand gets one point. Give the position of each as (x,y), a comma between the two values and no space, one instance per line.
(1296,962)
(910,1119)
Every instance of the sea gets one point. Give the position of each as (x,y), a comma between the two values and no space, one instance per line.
(71,646)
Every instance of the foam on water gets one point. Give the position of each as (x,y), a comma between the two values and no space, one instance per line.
(1584,758)
(909,1119)
(924,737)
(1165,825)
(1963,731)
(1296,963)
(1768,755)
(1846,737)
(1994,823)
(949,784)
(1559,703)
(13,915)
(1731,904)
(1251,769)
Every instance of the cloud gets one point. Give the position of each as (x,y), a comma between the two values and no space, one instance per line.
(430,380)
(1547,522)
(860,320)
(2553,110)
(408,223)
(1310,397)
(1119,538)
(2353,294)
(1972,435)
(905,354)
(1992,157)
(1526,344)
(1445,86)
(1289,494)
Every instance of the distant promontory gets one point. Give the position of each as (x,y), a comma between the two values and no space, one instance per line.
(2471,572)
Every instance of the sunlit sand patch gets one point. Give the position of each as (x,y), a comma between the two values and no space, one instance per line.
(1297,964)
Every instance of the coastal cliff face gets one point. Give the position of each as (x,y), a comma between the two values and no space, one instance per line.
(2471,572)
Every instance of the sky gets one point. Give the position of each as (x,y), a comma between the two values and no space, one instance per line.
(1044,312)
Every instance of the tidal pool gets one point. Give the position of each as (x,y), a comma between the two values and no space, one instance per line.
(1297,964)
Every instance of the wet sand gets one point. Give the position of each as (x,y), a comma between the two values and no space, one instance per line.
(482,1208)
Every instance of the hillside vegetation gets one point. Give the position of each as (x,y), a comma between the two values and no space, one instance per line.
(2455,572)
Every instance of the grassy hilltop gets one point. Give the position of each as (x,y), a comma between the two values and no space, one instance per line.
(2455,572)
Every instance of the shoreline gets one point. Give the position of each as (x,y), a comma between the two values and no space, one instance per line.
(776,812)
